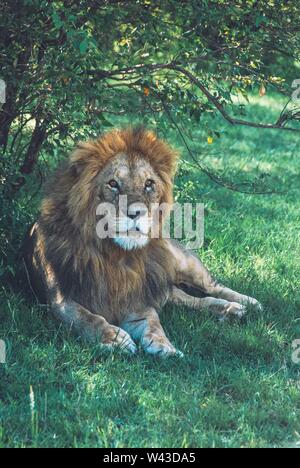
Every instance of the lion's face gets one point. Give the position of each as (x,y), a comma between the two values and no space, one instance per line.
(132,191)
(124,179)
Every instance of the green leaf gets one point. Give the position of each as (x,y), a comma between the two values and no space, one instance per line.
(57,20)
(259,20)
(104,121)
(83,46)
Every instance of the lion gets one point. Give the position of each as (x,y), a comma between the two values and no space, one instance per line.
(111,289)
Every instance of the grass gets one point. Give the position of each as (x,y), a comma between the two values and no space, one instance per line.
(237,385)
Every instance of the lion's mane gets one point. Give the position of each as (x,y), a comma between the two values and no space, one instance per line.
(94,272)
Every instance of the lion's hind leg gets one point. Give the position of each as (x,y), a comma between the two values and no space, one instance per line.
(191,272)
(148,331)
(219,307)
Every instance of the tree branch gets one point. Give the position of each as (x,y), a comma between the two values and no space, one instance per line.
(219,180)
(178,67)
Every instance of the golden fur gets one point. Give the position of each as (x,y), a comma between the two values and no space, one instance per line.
(84,264)
(93,284)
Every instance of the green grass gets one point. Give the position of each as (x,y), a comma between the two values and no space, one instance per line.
(237,385)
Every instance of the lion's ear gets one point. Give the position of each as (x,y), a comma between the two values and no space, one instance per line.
(76,168)
(80,158)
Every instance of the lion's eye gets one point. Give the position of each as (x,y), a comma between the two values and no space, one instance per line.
(113,184)
(149,185)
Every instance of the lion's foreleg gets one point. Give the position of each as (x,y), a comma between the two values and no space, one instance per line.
(91,327)
(192,272)
(147,329)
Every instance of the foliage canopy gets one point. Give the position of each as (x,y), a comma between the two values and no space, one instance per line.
(72,67)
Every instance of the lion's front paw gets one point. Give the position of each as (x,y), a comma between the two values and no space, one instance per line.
(116,337)
(160,346)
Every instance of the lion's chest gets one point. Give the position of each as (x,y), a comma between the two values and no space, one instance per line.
(129,284)
(133,286)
